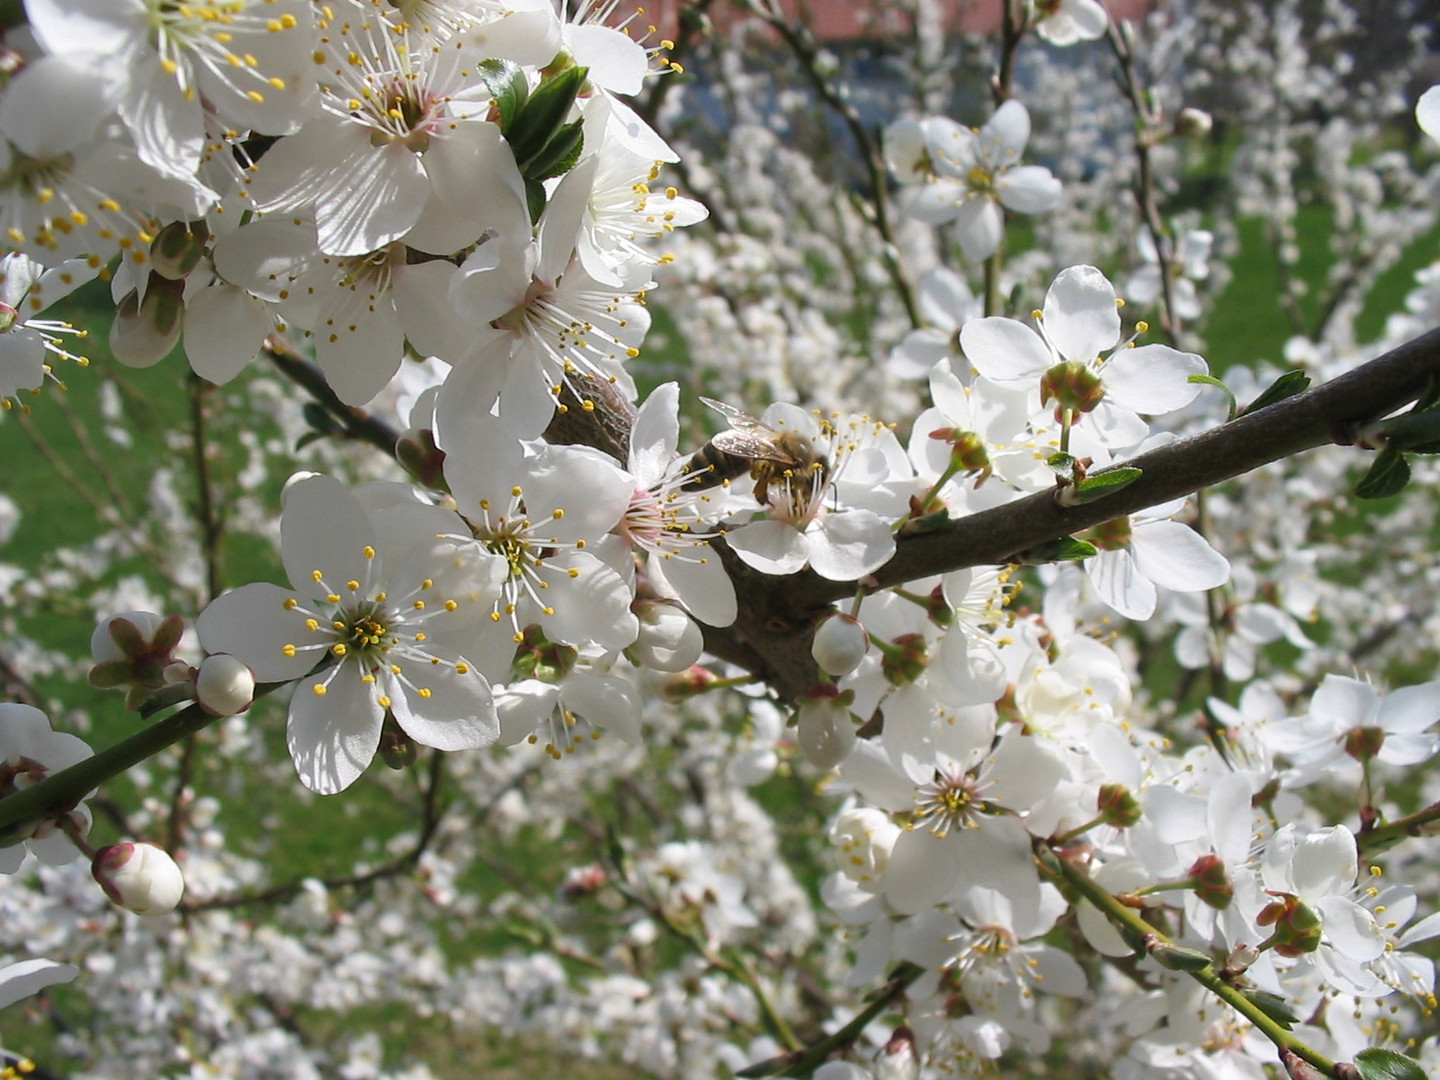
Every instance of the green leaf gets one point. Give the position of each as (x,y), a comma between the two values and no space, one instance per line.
(1287,385)
(1105,483)
(1179,958)
(544,114)
(1062,465)
(1210,380)
(1274,1006)
(1061,550)
(560,153)
(534,199)
(1429,397)
(1376,1064)
(319,419)
(508,87)
(1388,475)
(1416,431)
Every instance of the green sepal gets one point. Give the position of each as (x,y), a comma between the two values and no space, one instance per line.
(1287,385)
(1105,483)
(1210,380)
(1373,1063)
(1388,475)
(559,155)
(1063,549)
(1274,1006)
(543,115)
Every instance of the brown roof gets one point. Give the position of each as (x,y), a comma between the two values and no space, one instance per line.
(840,20)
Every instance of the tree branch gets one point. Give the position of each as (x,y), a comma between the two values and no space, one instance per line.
(778,614)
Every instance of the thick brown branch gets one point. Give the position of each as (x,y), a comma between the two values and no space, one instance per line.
(777,614)
(771,636)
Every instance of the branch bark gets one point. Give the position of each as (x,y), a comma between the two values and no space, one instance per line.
(771,638)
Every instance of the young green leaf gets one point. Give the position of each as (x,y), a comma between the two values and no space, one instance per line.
(1287,385)
(1376,1064)
(1210,380)
(1101,485)
(1063,549)
(1388,475)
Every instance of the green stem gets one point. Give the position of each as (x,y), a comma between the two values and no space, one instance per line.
(813,1057)
(1385,836)
(69,787)
(992,284)
(737,968)
(1129,921)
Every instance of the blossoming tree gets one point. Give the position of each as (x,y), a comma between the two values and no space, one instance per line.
(793,599)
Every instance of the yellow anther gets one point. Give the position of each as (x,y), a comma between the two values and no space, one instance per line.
(384,701)
(451,605)
(462,668)
(368,551)
(352,585)
(289,651)
(419,605)
(291,603)
(319,689)
(339,648)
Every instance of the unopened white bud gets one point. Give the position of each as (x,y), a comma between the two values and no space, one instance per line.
(143,333)
(140,877)
(1193,123)
(223,685)
(825,731)
(669,639)
(897,1060)
(840,644)
(105,645)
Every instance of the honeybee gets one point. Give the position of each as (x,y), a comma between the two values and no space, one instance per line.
(767,454)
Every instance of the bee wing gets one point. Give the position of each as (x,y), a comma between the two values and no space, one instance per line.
(736,417)
(758,445)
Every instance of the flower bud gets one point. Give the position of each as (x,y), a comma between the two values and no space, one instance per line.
(840,644)
(1297,926)
(421,458)
(897,1059)
(1118,805)
(669,639)
(690,682)
(134,652)
(144,332)
(1193,123)
(140,877)
(824,727)
(224,686)
(1211,882)
(177,249)
(1073,386)
(904,660)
